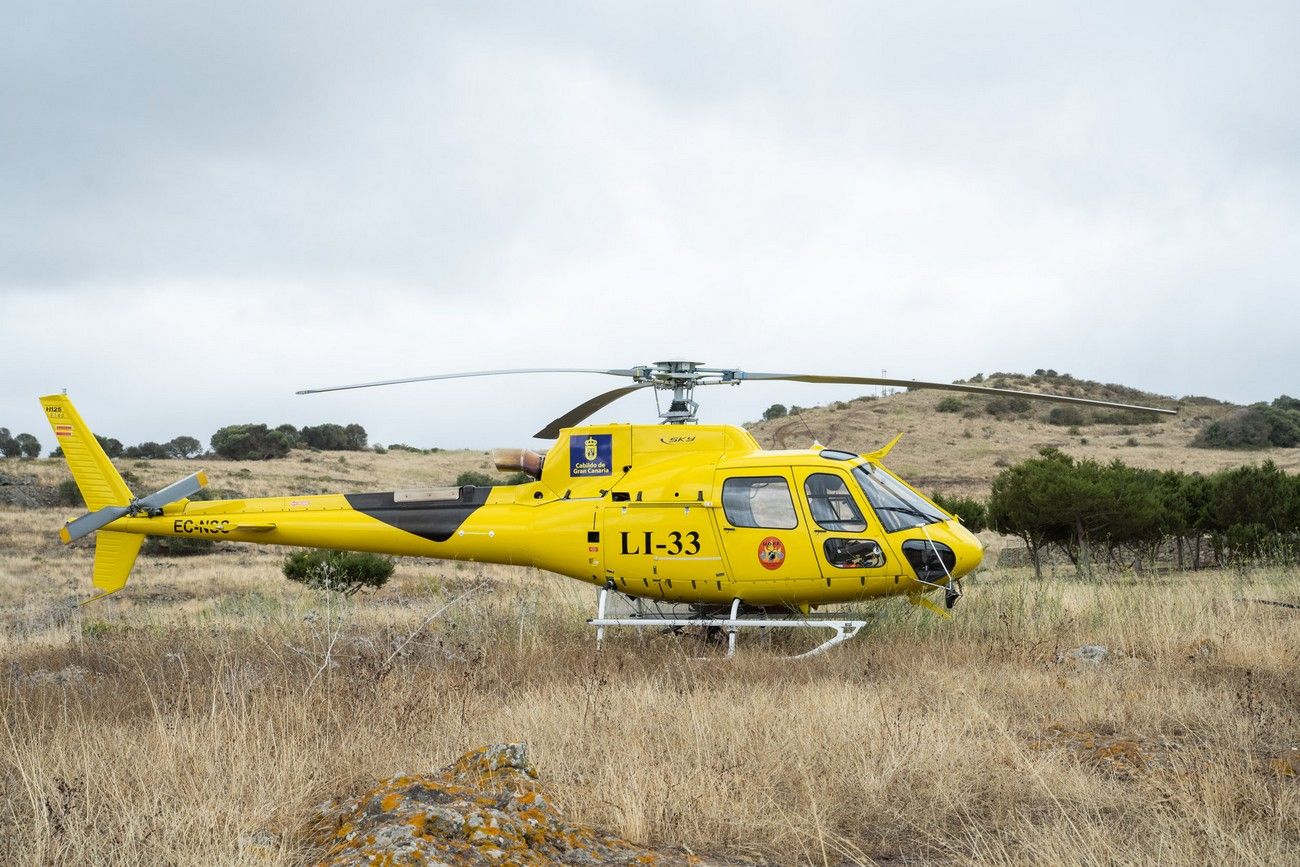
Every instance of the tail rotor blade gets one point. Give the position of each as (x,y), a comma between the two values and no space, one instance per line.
(90,522)
(186,487)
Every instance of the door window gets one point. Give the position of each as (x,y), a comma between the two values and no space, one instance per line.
(832,505)
(759,501)
(854,553)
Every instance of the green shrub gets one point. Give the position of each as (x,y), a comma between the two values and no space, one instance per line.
(1002,407)
(1066,416)
(344,572)
(334,437)
(972,512)
(776,410)
(148,451)
(291,433)
(1286,402)
(70,495)
(951,404)
(481,480)
(1257,426)
(250,442)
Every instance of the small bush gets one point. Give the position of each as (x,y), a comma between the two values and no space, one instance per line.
(1066,416)
(951,404)
(70,495)
(1002,407)
(344,572)
(477,479)
(776,410)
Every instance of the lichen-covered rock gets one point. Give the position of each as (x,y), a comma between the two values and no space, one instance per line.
(486,809)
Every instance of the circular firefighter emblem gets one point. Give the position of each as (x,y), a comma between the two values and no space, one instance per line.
(771,553)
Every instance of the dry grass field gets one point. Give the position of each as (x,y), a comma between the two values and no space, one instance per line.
(201,714)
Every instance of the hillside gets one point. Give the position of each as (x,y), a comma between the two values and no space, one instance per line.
(961,451)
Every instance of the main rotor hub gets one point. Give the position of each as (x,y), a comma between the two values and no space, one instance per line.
(680,377)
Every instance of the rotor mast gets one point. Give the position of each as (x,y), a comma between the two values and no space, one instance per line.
(680,377)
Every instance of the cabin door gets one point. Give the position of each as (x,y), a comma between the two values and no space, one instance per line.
(763,532)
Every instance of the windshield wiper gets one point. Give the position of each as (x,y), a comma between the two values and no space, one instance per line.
(908,510)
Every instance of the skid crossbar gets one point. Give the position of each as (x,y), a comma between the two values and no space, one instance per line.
(732,623)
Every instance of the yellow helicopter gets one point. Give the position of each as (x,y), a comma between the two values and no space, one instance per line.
(696,521)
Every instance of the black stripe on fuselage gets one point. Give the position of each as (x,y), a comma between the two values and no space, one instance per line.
(435,520)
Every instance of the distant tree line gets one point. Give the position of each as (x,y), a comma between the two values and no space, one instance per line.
(1112,513)
(258,442)
(24,445)
(235,442)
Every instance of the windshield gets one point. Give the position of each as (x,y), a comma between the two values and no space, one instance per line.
(895,504)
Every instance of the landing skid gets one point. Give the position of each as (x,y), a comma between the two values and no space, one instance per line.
(731,624)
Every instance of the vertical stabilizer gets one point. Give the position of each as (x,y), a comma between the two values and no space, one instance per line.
(96,477)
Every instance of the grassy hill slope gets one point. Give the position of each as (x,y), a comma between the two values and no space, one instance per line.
(961,452)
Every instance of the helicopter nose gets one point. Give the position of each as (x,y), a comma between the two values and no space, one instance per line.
(967,548)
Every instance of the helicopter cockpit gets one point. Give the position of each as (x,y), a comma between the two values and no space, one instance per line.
(896,505)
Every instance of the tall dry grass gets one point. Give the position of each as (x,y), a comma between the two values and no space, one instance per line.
(199,717)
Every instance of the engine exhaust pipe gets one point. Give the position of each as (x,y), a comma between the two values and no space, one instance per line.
(523,461)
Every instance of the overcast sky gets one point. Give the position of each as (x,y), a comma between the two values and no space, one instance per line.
(206,206)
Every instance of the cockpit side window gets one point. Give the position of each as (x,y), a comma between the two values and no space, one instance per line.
(759,501)
(897,506)
(832,505)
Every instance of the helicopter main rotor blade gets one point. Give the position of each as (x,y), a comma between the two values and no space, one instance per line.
(470,373)
(582,411)
(951,386)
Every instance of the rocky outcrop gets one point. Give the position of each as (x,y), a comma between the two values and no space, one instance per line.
(487,808)
(26,492)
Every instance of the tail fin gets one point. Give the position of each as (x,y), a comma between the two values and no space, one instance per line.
(100,483)
(107,495)
(101,486)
